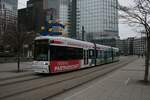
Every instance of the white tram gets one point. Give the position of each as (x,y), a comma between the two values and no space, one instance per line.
(60,54)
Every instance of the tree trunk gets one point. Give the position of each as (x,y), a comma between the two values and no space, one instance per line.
(147,60)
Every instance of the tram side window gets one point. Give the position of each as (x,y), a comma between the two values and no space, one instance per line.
(102,54)
(117,54)
(91,54)
(99,54)
(114,53)
(65,53)
(105,54)
(96,54)
(109,54)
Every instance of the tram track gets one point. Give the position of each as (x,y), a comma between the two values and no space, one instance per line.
(27,77)
(14,77)
(96,70)
(75,86)
(18,80)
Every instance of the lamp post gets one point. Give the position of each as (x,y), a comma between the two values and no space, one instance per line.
(83,32)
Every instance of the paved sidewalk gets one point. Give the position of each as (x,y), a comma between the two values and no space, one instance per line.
(8,70)
(121,85)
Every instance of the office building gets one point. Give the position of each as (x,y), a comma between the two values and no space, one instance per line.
(123,46)
(26,20)
(8,18)
(126,46)
(98,18)
(40,11)
(132,46)
(139,45)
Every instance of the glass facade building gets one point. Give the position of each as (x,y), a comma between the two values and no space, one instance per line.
(99,18)
(8,19)
(45,10)
(9,5)
(8,15)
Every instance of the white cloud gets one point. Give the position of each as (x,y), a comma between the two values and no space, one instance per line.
(22,3)
(125,30)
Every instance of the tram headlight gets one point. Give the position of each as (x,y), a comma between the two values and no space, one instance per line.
(45,63)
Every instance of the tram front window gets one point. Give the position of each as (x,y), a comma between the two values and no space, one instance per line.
(41,52)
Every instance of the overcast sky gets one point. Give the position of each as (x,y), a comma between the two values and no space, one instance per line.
(124,30)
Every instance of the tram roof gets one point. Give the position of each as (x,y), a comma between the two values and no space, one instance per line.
(69,40)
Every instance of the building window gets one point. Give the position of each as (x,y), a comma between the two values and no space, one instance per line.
(3,6)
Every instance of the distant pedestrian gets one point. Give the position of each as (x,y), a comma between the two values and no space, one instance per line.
(142,55)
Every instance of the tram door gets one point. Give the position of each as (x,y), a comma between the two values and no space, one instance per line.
(85,57)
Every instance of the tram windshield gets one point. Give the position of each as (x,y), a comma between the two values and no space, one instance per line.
(41,50)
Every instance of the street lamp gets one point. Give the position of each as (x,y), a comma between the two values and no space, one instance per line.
(83,33)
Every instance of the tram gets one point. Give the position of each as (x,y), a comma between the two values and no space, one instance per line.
(60,54)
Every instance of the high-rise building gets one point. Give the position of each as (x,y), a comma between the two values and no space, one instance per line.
(40,11)
(98,18)
(26,18)
(8,16)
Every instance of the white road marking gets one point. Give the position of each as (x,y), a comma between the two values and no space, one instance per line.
(80,92)
(127,81)
(75,94)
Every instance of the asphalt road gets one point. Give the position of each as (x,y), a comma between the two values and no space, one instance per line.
(32,86)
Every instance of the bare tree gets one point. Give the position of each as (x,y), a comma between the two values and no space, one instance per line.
(16,40)
(138,14)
